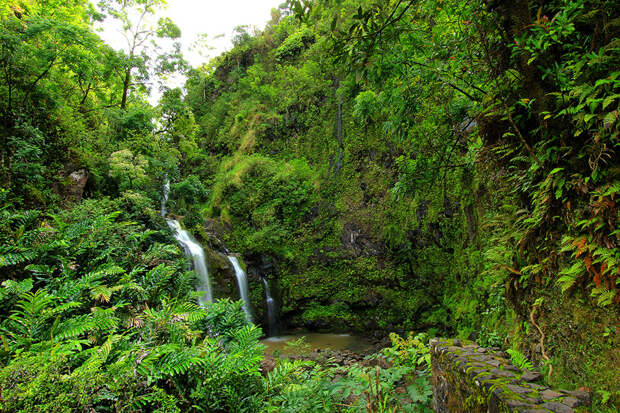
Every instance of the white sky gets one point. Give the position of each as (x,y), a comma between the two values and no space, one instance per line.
(196,17)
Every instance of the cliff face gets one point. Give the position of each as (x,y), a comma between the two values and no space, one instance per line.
(320,201)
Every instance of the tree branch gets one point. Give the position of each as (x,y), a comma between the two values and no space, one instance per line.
(41,76)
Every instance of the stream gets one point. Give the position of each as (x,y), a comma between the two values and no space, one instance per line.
(316,341)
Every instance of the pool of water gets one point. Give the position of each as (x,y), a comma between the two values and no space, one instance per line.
(314,341)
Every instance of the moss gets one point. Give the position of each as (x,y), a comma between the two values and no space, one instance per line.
(581,342)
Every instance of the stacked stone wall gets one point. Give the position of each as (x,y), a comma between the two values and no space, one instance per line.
(470,378)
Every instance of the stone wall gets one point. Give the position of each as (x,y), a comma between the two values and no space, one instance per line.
(470,378)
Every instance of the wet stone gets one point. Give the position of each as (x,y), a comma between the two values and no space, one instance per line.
(514,404)
(583,396)
(558,407)
(532,400)
(499,393)
(549,394)
(571,402)
(518,389)
(474,370)
(531,376)
(502,373)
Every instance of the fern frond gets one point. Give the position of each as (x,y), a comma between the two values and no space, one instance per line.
(10,255)
(519,359)
(73,327)
(17,287)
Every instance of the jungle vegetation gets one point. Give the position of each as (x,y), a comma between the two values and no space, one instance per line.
(440,167)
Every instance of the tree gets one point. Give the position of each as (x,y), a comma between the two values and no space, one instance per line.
(137,64)
(128,168)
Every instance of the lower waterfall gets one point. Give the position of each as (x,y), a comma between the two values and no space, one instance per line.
(242,281)
(271,310)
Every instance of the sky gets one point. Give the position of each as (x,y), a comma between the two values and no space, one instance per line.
(197,17)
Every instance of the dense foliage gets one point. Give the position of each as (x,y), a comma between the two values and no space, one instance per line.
(386,166)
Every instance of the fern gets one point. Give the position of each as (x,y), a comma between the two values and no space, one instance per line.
(103,293)
(28,319)
(11,287)
(73,327)
(518,359)
(570,275)
(158,252)
(180,361)
(10,255)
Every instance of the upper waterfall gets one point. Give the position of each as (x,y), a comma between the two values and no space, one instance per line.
(195,251)
(192,249)
(164,198)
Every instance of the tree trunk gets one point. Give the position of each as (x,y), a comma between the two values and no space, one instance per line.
(126,83)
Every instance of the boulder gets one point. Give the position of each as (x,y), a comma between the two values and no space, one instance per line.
(75,184)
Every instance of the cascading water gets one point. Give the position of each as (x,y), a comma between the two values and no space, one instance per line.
(271,310)
(192,250)
(242,281)
(164,198)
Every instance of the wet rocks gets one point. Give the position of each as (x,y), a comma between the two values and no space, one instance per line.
(73,185)
(267,364)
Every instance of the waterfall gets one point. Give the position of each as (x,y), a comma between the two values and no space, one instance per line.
(164,198)
(271,310)
(192,250)
(242,281)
